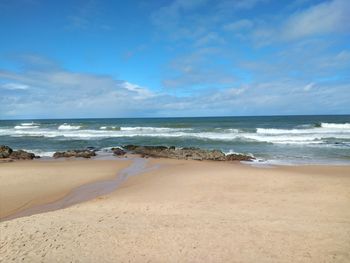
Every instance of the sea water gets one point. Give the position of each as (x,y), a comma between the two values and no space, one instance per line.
(271,139)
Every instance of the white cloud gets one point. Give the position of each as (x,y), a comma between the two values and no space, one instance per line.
(171,14)
(88,95)
(209,39)
(240,4)
(328,17)
(198,69)
(14,86)
(242,24)
(60,93)
(141,93)
(309,86)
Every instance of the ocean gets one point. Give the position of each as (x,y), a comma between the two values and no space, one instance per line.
(270,139)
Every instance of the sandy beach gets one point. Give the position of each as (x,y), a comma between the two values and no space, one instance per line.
(30,183)
(184,211)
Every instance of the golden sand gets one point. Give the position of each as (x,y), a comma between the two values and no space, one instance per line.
(186,211)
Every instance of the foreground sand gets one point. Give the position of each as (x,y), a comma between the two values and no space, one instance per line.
(27,183)
(189,211)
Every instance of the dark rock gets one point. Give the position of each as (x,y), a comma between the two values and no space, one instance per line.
(239,157)
(185,153)
(75,153)
(118,152)
(130,147)
(22,155)
(5,151)
(190,148)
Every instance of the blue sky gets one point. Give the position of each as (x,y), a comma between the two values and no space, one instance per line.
(71,59)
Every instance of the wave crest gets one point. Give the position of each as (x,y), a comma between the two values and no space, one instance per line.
(154,129)
(335,125)
(27,125)
(66,126)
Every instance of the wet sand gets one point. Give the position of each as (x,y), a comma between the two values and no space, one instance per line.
(28,184)
(190,211)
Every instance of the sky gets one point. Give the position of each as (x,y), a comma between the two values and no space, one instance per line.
(163,58)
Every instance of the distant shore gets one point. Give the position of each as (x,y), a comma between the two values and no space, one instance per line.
(184,210)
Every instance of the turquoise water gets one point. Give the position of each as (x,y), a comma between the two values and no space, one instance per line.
(279,139)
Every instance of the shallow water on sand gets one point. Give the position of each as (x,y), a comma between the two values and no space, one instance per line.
(89,191)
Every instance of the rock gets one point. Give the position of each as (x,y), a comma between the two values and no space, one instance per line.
(130,147)
(185,153)
(75,153)
(118,152)
(217,155)
(22,155)
(239,157)
(5,151)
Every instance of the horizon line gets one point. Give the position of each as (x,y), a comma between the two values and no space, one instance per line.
(175,117)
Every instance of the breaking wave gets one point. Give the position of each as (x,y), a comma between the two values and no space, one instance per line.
(66,126)
(27,125)
(310,136)
(154,129)
(335,125)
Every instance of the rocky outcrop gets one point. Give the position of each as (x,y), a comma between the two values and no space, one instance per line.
(185,153)
(75,153)
(118,151)
(239,157)
(7,153)
(130,147)
(22,155)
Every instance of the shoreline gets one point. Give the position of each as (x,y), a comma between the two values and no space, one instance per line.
(160,151)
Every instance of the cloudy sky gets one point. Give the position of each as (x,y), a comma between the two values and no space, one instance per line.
(92,58)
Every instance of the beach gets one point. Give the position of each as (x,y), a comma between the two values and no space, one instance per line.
(175,131)
(182,211)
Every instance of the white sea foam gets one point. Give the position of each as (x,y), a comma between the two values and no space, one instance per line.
(311,136)
(109,128)
(301,131)
(29,124)
(154,129)
(66,126)
(335,125)
(234,152)
(20,127)
(41,153)
(286,139)
(227,130)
